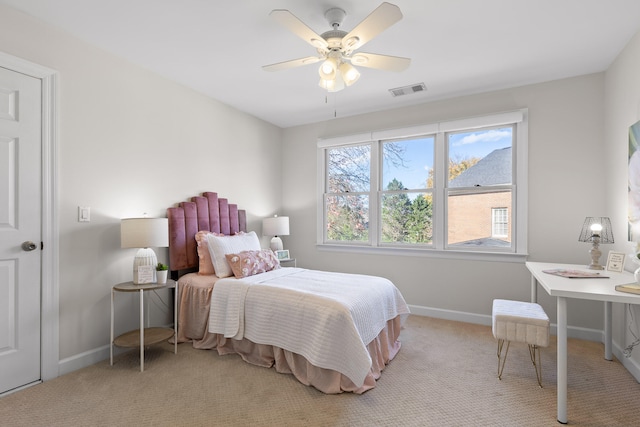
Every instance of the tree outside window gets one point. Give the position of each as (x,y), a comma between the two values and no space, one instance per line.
(442,190)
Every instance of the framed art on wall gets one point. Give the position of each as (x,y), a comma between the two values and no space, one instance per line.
(634,182)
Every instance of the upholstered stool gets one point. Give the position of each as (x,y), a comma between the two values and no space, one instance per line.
(520,322)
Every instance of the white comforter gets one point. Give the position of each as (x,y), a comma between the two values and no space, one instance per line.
(328,318)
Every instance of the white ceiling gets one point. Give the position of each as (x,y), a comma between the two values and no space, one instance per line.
(457,47)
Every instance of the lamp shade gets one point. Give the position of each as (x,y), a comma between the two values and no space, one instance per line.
(349,73)
(328,69)
(275,226)
(596,226)
(144,232)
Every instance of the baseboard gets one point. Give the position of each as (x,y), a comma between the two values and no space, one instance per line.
(572,332)
(94,356)
(631,365)
(90,357)
(87,358)
(485,319)
(459,316)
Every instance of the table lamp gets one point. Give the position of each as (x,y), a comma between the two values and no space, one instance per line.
(276,226)
(596,230)
(144,233)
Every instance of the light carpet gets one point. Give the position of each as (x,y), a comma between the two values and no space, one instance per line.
(444,375)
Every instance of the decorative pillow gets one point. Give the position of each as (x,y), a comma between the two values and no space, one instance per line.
(219,246)
(205,264)
(248,263)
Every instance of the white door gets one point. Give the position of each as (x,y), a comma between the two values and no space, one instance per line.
(20,224)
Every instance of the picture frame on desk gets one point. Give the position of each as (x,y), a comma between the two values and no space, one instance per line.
(615,261)
(283,254)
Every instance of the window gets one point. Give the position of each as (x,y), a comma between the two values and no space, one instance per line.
(406,196)
(348,191)
(499,223)
(479,181)
(438,188)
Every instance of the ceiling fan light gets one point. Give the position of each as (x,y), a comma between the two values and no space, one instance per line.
(326,84)
(328,69)
(350,74)
(338,83)
(332,85)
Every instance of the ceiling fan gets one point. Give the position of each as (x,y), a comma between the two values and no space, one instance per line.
(337,47)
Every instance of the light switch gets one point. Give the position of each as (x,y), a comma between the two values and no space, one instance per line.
(84,214)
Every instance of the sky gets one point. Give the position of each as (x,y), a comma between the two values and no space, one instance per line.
(419,153)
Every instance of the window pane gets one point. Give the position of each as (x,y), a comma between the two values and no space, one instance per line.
(500,222)
(349,169)
(347,217)
(407,218)
(480,157)
(407,164)
(470,219)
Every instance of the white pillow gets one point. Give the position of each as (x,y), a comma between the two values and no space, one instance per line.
(219,246)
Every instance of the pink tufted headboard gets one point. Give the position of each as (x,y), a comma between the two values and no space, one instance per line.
(206,212)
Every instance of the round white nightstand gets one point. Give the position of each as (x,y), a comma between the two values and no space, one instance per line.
(293,260)
(144,336)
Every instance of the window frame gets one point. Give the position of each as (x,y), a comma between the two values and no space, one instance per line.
(440,249)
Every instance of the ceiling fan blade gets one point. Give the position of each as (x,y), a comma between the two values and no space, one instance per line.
(299,28)
(381,62)
(379,20)
(291,64)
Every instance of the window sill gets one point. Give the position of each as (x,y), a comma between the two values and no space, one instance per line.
(426,253)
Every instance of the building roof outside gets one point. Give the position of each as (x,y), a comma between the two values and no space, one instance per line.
(493,169)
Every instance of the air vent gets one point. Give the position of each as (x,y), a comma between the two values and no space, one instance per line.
(407,90)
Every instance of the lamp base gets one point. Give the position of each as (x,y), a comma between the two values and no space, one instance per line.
(595,253)
(144,256)
(276,244)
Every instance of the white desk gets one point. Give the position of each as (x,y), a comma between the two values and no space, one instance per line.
(591,289)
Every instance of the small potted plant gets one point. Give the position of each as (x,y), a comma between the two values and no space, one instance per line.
(162,270)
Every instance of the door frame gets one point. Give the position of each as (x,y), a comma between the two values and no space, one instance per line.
(49,280)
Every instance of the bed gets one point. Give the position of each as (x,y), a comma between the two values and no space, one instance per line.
(333,331)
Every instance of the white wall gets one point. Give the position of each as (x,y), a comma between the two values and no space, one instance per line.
(622,109)
(132,142)
(566,183)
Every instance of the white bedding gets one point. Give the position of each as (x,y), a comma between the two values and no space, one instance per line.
(328,318)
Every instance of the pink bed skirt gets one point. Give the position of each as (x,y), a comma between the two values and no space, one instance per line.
(193,318)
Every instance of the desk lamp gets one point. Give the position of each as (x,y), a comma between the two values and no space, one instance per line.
(596,230)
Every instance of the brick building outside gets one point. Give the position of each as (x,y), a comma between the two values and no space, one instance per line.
(482,218)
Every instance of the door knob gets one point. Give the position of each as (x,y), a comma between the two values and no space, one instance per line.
(29,246)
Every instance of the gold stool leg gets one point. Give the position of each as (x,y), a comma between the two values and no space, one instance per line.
(534,352)
(501,360)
